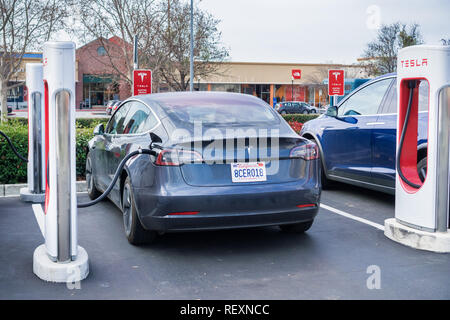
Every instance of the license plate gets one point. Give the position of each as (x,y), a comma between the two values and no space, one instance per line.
(248,172)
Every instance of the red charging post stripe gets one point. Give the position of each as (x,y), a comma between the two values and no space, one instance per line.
(408,157)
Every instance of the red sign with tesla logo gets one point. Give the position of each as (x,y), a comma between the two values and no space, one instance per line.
(336,82)
(296,74)
(142,82)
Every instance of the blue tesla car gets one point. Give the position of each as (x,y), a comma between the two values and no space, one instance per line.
(219,160)
(357,138)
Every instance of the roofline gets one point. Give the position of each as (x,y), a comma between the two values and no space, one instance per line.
(283,63)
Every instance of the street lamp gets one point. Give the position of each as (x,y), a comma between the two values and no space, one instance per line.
(191,82)
(292,89)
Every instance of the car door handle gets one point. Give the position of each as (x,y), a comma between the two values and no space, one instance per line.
(374,123)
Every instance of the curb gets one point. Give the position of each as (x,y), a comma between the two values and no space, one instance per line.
(13,190)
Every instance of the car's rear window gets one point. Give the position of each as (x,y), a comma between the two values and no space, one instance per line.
(221,112)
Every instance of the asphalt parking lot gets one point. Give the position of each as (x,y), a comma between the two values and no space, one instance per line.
(330,261)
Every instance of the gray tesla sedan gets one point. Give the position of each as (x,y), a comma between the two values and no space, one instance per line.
(220,160)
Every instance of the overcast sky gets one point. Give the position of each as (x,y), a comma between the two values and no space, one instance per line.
(318,30)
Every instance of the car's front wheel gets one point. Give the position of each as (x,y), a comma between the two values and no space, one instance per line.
(297,227)
(134,231)
(326,183)
(283,112)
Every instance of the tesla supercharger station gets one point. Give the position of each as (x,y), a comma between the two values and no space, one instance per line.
(35,191)
(422,205)
(60,259)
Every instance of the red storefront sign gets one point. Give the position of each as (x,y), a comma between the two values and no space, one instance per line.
(336,82)
(296,74)
(142,82)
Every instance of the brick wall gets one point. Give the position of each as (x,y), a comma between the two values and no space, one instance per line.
(90,62)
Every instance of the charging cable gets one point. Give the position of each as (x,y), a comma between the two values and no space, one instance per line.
(411,86)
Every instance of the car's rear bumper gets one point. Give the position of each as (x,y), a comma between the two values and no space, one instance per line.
(228,207)
(228,221)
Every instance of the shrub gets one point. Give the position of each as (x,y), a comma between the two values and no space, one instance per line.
(302,118)
(90,123)
(13,170)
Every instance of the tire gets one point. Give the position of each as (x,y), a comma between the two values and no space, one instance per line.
(92,191)
(422,169)
(326,183)
(305,112)
(313,111)
(297,227)
(135,233)
(283,112)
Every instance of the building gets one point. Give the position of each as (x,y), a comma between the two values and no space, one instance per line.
(16,96)
(103,64)
(101,67)
(272,82)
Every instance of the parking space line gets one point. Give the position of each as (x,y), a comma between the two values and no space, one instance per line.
(39,214)
(350,216)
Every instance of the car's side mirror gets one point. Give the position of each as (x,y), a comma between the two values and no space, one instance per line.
(99,129)
(332,111)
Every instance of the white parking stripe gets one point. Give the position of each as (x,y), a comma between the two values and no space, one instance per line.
(39,214)
(350,216)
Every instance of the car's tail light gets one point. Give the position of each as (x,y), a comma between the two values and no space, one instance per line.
(308,151)
(176,157)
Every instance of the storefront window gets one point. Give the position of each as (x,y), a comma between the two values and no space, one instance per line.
(98,90)
(288,92)
(226,87)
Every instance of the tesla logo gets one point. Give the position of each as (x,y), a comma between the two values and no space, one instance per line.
(142,75)
(336,75)
(412,63)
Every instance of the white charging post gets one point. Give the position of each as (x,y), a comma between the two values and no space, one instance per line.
(422,204)
(35,191)
(60,259)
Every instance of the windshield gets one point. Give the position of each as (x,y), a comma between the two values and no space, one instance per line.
(226,112)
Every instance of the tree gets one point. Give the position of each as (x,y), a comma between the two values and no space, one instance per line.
(24,26)
(381,54)
(114,23)
(175,40)
(162,27)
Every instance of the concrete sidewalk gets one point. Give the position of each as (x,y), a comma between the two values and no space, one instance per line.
(13,190)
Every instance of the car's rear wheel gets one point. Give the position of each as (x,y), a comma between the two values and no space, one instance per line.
(92,191)
(297,227)
(305,112)
(422,169)
(134,231)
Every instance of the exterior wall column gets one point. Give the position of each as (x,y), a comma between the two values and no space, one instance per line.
(209,86)
(271,95)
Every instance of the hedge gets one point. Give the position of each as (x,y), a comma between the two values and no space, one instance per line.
(302,118)
(12,170)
